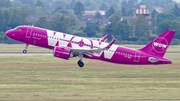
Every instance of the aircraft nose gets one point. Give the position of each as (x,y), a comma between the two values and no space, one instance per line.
(8,33)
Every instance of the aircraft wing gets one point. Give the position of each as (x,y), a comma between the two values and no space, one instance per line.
(90,51)
(103,39)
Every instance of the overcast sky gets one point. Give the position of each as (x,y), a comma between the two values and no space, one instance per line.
(177,0)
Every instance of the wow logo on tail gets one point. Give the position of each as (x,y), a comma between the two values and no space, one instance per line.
(160,45)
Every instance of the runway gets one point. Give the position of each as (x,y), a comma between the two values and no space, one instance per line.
(44,53)
(27,54)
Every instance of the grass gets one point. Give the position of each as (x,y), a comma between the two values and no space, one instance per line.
(20,47)
(5,48)
(48,78)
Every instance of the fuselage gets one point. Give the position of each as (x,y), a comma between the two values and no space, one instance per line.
(49,39)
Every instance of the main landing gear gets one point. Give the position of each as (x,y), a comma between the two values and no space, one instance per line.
(80,62)
(25,50)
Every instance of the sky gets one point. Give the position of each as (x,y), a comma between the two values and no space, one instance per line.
(177,0)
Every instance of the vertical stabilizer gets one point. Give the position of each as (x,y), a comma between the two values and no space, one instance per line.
(160,44)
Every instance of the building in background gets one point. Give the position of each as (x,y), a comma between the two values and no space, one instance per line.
(142,10)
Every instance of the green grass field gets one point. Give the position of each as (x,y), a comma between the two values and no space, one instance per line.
(20,47)
(47,78)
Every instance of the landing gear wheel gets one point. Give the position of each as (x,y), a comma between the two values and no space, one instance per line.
(24,51)
(80,63)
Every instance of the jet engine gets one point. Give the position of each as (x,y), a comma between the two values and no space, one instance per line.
(63,53)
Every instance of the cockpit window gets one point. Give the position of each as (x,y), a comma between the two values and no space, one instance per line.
(17,29)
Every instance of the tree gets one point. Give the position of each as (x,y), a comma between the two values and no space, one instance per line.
(71,5)
(40,4)
(176,10)
(60,4)
(17,18)
(110,12)
(91,29)
(169,24)
(42,22)
(73,23)
(103,6)
(124,12)
(30,2)
(130,13)
(124,30)
(87,3)
(115,19)
(163,16)
(131,4)
(117,28)
(2,21)
(60,23)
(168,7)
(142,27)
(79,9)
(164,25)
(39,12)
(123,4)
(175,26)
(98,15)
(5,3)
(153,3)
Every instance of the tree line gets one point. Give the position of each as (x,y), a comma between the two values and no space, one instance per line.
(65,16)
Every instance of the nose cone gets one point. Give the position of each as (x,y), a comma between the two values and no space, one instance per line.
(8,33)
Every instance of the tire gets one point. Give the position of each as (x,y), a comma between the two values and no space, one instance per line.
(80,63)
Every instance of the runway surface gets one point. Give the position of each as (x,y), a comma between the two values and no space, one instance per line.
(27,54)
(45,54)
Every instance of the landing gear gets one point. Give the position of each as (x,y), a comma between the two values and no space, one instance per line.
(25,50)
(80,63)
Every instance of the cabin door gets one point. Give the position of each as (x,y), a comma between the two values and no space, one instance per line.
(29,32)
(137,56)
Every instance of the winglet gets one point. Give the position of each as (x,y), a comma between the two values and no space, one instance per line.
(110,44)
(103,39)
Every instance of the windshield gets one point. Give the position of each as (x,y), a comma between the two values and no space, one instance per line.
(17,29)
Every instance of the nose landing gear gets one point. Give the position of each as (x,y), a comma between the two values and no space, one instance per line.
(25,50)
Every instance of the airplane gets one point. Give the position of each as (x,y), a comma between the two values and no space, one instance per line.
(66,46)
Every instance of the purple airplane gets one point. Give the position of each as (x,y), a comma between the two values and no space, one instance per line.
(67,46)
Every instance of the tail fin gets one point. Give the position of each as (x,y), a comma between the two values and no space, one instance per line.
(160,44)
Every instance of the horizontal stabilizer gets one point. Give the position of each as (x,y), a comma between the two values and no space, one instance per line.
(154,60)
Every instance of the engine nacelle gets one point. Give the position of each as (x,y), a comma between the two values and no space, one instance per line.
(62,53)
